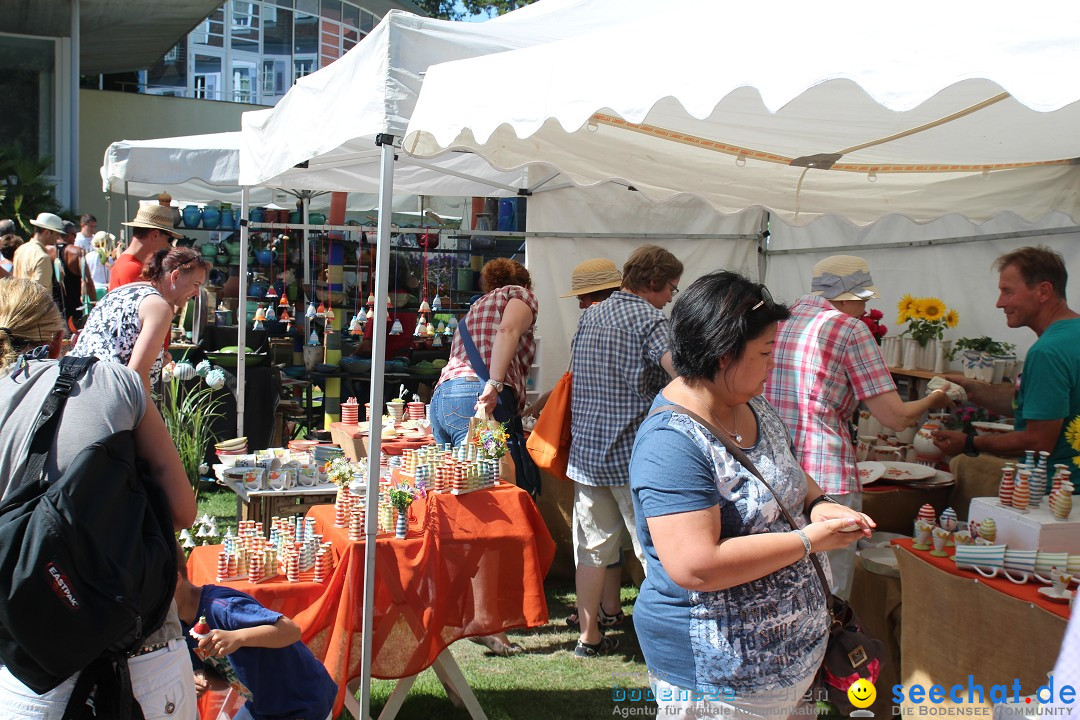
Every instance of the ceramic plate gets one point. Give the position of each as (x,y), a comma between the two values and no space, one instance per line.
(869,471)
(880,560)
(991,428)
(1055,596)
(906,472)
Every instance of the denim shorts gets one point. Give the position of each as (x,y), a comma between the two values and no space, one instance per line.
(452,404)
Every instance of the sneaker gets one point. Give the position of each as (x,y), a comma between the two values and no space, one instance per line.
(604,647)
(604,621)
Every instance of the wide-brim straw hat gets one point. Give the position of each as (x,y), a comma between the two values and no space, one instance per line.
(843,277)
(593,275)
(155,217)
(103,239)
(49,221)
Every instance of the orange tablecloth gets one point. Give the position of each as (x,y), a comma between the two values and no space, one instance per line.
(1028,592)
(471,565)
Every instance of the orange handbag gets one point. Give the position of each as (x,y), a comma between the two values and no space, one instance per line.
(549,443)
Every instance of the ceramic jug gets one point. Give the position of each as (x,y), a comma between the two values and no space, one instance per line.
(211,217)
(926,452)
(191,215)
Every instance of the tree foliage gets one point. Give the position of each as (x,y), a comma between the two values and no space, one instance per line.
(26,186)
(460,9)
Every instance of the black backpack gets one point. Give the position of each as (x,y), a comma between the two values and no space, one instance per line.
(87,563)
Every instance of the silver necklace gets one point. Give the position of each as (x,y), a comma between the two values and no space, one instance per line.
(736,436)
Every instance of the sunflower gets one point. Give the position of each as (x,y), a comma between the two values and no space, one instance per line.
(931,309)
(1072,433)
(952,318)
(907,307)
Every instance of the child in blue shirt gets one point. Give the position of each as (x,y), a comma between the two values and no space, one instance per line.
(264,648)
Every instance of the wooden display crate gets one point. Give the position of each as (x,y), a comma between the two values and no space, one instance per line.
(262,507)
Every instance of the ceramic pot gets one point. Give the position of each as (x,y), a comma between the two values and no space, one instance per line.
(295,217)
(231,288)
(316,219)
(257,215)
(192,215)
(926,452)
(265,257)
(911,354)
(211,217)
(228,219)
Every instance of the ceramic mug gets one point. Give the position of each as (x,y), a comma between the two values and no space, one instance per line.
(1019,565)
(862,449)
(1073,565)
(1047,562)
(306,475)
(987,560)
(886,452)
(253,479)
(283,479)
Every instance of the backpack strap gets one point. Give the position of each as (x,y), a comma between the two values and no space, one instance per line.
(104,690)
(72,370)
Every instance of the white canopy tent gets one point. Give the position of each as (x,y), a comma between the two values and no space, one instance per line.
(802,109)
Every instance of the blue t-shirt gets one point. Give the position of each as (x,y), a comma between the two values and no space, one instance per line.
(1050,386)
(752,638)
(285,683)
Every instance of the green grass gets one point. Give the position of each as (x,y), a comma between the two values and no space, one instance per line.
(546,682)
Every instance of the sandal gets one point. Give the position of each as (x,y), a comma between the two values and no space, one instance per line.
(604,647)
(496,646)
(604,621)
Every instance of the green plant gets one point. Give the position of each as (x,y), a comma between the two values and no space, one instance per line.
(982,344)
(401,497)
(961,418)
(27,189)
(189,414)
(927,318)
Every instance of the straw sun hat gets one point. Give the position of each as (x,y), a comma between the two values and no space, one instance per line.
(48,221)
(593,275)
(843,277)
(155,217)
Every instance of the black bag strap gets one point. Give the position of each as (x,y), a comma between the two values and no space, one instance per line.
(104,690)
(72,370)
(473,353)
(737,452)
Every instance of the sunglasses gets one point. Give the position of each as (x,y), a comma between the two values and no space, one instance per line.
(766,300)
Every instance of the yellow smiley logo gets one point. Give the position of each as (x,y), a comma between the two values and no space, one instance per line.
(862,693)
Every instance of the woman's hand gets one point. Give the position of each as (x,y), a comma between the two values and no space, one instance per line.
(837,532)
(830,510)
(488,399)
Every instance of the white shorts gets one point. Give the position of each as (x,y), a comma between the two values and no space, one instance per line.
(162,681)
(601,516)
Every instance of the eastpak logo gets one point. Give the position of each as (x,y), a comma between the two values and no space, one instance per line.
(61,586)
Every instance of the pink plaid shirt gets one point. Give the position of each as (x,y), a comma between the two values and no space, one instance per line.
(483,320)
(826,362)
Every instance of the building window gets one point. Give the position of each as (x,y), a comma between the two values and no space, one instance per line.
(28,86)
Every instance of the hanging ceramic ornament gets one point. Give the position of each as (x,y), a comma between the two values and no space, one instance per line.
(328,329)
(311,311)
(270,314)
(396,328)
(258,325)
(441,328)
(436,304)
(321,311)
(329,314)
(448,332)
(370,314)
(284,301)
(430,330)
(437,342)
(313,339)
(354,326)
(271,292)
(260,313)
(202,368)
(424,307)
(419,330)
(183,371)
(371,300)
(453,323)
(285,315)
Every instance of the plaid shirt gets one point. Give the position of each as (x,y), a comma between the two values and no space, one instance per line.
(483,320)
(826,362)
(616,355)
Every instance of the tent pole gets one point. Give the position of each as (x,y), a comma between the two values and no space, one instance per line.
(763,247)
(378,358)
(309,291)
(241,313)
(127,212)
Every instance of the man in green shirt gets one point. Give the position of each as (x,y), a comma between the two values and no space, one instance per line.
(1046,397)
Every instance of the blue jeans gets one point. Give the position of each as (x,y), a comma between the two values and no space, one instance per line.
(452,404)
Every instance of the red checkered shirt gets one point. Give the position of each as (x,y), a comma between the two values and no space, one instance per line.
(483,320)
(826,362)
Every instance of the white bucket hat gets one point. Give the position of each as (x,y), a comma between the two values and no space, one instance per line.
(49,221)
(593,275)
(843,277)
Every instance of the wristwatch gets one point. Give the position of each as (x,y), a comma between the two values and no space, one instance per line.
(496,384)
(969,446)
(820,499)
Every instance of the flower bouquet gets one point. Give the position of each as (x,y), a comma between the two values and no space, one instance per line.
(490,441)
(872,320)
(927,318)
(340,471)
(401,497)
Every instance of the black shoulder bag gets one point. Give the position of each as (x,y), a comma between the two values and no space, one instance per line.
(850,654)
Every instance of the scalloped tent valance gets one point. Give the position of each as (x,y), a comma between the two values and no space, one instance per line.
(804,109)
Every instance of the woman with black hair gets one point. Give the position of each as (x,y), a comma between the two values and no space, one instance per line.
(731,611)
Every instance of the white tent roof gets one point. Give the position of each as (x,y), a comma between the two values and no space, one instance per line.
(331,118)
(936,108)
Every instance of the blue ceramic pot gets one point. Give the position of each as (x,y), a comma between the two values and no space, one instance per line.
(211,217)
(227,217)
(191,216)
(265,257)
(256,290)
(256,214)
